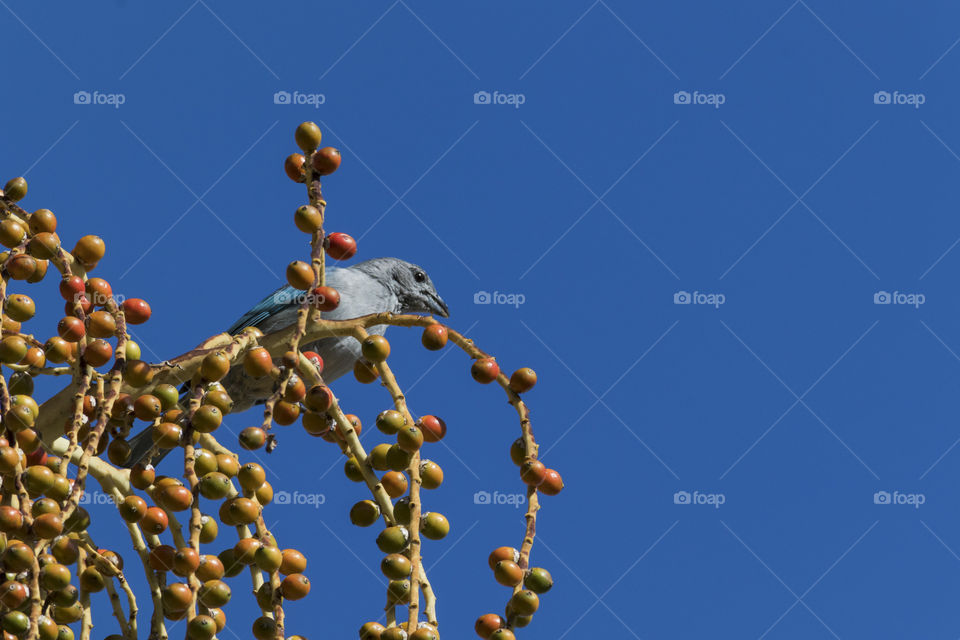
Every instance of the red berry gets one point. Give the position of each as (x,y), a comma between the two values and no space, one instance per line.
(319,398)
(485,370)
(293,166)
(315,358)
(71,286)
(39,456)
(326,161)
(433,428)
(552,483)
(71,329)
(85,305)
(533,473)
(326,298)
(136,311)
(523,380)
(341,246)
(99,291)
(98,353)
(434,337)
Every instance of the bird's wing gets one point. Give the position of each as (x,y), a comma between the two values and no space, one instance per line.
(283,297)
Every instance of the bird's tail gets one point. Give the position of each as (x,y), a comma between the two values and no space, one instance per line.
(140,446)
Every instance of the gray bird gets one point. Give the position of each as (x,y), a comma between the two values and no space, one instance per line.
(374,286)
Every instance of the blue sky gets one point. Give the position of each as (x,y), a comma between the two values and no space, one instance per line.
(789,169)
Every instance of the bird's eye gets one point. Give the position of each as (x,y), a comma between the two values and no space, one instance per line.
(420,276)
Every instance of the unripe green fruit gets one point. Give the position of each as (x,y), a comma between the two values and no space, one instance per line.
(538,580)
(397,458)
(208,529)
(207,418)
(264,628)
(425,633)
(393,539)
(268,558)
(401,511)
(508,573)
(434,526)
(15,622)
(390,421)
(15,189)
(202,627)
(215,486)
(364,513)
(351,468)
(251,476)
(13,349)
(167,394)
(398,591)
(378,457)
(214,593)
(410,439)
(371,631)
(308,219)
(308,136)
(375,348)
(396,566)
(204,462)
(524,603)
(91,580)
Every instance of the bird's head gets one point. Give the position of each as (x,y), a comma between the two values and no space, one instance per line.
(409,283)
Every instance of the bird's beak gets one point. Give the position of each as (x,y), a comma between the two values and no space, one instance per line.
(438,306)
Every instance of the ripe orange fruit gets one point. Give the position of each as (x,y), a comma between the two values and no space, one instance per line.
(326,161)
(89,250)
(293,167)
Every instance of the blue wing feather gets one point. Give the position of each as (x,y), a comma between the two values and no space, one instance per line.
(283,297)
